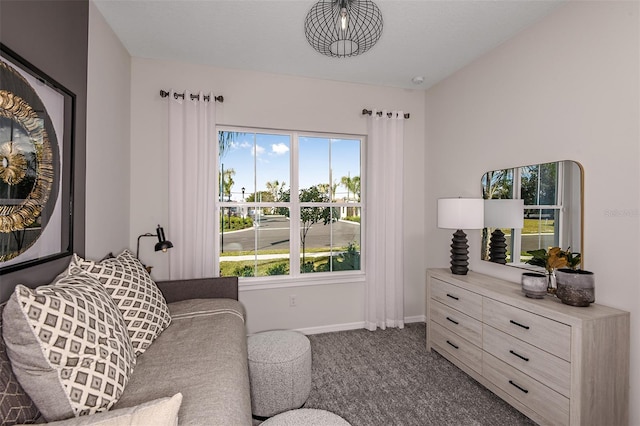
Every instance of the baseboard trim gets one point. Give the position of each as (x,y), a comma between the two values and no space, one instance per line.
(331,328)
(417,318)
(351,326)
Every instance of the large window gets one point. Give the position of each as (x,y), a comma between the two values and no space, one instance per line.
(263,229)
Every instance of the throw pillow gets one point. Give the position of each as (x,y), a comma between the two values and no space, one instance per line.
(159,412)
(15,405)
(68,346)
(143,306)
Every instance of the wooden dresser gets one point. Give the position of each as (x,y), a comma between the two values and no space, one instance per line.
(557,364)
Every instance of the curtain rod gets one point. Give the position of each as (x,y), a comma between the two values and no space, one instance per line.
(379,113)
(164,94)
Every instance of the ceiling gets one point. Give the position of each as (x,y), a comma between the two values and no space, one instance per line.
(426,38)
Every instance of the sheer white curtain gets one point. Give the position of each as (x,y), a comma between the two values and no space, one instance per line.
(192,180)
(384,306)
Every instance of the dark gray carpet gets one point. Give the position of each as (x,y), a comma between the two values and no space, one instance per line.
(387,377)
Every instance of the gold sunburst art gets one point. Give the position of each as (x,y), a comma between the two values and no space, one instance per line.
(27,172)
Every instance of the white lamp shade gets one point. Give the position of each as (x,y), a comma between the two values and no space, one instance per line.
(504,213)
(461,213)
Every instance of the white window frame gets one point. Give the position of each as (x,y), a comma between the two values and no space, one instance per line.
(295,278)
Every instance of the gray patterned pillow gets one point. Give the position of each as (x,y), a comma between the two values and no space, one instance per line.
(68,346)
(143,306)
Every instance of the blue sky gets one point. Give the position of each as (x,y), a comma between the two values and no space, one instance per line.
(271,156)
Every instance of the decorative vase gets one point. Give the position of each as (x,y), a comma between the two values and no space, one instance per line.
(552,282)
(534,285)
(576,287)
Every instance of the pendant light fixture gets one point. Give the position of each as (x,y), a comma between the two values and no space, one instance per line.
(343,28)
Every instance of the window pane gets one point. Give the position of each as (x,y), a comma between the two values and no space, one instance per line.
(237,236)
(253,166)
(314,168)
(345,168)
(497,184)
(346,240)
(260,248)
(540,230)
(539,183)
(315,238)
(272,157)
(272,243)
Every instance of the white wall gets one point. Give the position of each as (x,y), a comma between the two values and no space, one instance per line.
(108,119)
(277,102)
(566,88)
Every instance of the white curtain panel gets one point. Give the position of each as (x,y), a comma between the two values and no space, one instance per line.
(192,180)
(384,306)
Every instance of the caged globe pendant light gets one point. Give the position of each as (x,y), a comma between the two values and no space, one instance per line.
(342,28)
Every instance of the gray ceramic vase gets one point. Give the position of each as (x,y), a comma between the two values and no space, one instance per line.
(576,287)
(534,285)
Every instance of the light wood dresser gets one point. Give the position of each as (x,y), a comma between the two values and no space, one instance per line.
(557,364)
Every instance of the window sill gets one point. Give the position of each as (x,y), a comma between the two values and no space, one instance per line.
(264,283)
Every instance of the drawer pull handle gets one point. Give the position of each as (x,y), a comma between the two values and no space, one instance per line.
(518,386)
(453,297)
(519,356)
(526,327)
(455,346)
(453,321)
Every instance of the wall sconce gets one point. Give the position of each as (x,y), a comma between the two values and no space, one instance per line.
(162,245)
(459,214)
(498,214)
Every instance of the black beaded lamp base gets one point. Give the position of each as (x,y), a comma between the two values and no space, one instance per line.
(459,253)
(498,247)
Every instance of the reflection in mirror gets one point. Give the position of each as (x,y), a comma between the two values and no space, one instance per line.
(552,213)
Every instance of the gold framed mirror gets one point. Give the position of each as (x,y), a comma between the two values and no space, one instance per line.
(553,195)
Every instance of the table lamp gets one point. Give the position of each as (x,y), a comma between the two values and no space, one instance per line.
(502,214)
(459,214)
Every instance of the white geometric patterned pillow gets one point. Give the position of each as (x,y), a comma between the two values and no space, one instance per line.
(68,346)
(143,306)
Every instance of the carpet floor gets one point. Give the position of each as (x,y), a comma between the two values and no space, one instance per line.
(387,377)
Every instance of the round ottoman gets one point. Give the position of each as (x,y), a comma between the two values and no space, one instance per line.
(306,417)
(279,371)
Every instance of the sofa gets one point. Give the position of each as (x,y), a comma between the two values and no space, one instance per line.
(191,364)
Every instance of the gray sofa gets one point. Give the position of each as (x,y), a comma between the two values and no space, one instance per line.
(202,354)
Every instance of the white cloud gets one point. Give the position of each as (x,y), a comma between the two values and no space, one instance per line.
(279,148)
(246,145)
(257,151)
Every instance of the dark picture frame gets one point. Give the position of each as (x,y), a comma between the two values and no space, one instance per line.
(37,125)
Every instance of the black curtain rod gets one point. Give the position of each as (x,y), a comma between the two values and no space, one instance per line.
(379,113)
(207,98)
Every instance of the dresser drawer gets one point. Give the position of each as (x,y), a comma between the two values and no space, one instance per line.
(544,401)
(456,346)
(548,369)
(458,298)
(548,335)
(461,324)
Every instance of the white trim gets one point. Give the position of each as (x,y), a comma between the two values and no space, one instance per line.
(351,326)
(416,318)
(331,328)
(265,283)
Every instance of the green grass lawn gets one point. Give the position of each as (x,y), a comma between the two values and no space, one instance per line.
(535,226)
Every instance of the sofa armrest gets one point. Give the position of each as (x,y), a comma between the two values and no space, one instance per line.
(199,288)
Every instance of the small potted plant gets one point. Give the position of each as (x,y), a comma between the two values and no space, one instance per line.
(549,260)
(576,287)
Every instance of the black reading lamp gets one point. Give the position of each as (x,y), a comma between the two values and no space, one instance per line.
(162,245)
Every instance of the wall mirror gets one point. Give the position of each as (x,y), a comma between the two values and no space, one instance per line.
(551,215)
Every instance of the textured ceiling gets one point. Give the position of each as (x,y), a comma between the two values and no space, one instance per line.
(424,38)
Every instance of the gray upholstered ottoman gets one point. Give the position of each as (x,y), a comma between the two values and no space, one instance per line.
(279,371)
(306,417)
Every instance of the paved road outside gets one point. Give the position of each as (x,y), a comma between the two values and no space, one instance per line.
(273,233)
